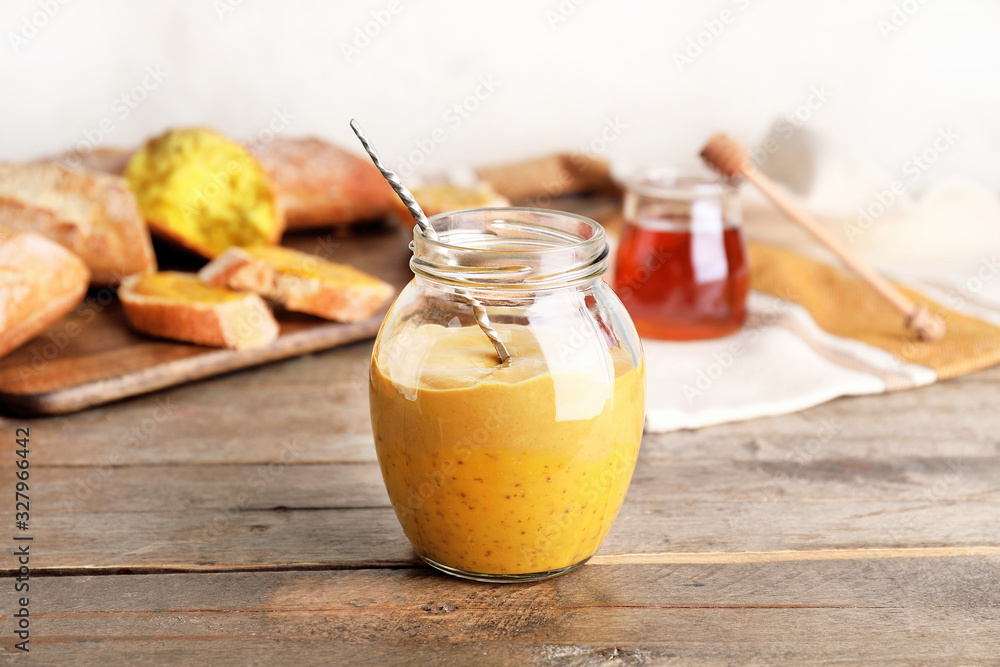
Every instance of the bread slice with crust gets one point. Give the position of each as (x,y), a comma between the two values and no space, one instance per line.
(177,305)
(92,214)
(299,281)
(321,185)
(40,281)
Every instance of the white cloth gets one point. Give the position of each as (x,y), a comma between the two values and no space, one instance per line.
(779,362)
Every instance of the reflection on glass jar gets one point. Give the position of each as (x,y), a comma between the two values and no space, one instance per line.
(514,471)
(681,266)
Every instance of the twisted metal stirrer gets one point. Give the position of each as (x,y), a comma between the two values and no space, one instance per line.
(482,319)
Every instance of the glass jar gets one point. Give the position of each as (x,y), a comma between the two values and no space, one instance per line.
(681,267)
(512,471)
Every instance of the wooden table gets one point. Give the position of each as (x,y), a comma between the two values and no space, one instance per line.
(243,520)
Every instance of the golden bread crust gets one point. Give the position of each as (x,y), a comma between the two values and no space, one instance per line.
(104,160)
(314,286)
(321,185)
(94,215)
(40,281)
(240,324)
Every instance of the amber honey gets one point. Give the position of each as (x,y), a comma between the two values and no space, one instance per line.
(682,265)
(683,285)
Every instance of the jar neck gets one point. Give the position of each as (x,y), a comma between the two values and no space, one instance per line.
(510,250)
(668,200)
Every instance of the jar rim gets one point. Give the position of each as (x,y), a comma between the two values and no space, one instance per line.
(510,248)
(598,236)
(678,183)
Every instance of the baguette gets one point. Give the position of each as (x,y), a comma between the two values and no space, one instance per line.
(300,282)
(320,185)
(94,215)
(177,305)
(204,192)
(40,281)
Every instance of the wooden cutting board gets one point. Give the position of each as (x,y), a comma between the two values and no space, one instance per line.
(90,357)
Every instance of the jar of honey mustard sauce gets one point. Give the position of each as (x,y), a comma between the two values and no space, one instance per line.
(508,471)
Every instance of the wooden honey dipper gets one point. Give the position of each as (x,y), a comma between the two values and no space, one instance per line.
(726,156)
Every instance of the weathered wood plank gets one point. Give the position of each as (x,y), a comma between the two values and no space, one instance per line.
(857,612)
(657,480)
(229,537)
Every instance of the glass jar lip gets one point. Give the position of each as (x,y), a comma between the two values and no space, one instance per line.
(598,236)
(510,248)
(678,183)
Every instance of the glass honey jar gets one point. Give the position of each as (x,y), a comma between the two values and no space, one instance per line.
(681,266)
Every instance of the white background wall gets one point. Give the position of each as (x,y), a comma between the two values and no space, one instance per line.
(564,70)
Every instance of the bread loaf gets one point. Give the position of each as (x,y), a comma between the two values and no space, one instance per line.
(92,214)
(40,281)
(320,185)
(105,160)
